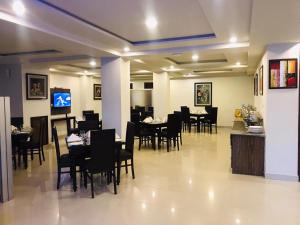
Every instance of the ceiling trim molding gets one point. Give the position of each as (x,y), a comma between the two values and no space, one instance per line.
(38,52)
(134,43)
(83,67)
(197,62)
(59,59)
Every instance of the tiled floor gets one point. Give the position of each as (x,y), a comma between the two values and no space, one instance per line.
(192,186)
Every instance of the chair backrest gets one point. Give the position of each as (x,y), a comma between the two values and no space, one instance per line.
(57,148)
(214,115)
(17,122)
(85,112)
(38,132)
(103,146)
(185,112)
(178,115)
(150,109)
(146,114)
(130,131)
(208,109)
(92,116)
(88,125)
(172,125)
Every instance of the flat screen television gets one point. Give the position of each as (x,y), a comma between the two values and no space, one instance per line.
(61,99)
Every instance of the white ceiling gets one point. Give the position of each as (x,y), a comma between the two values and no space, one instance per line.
(255,23)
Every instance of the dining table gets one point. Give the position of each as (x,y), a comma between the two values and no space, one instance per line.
(80,149)
(18,138)
(156,127)
(199,116)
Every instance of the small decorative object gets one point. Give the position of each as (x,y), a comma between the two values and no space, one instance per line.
(256,85)
(283,73)
(203,94)
(249,114)
(36,86)
(261,80)
(97,92)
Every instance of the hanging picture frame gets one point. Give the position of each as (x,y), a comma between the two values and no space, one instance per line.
(36,86)
(97,92)
(255,84)
(283,73)
(261,80)
(203,94)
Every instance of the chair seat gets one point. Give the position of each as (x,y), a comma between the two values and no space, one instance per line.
(29,145)
(125,155)
(65,160)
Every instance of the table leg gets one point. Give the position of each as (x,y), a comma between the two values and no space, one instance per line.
(198,124)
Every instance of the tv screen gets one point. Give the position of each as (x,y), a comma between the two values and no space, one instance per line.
(61,99)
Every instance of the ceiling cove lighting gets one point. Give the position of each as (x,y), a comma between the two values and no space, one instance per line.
(195,57)
(233,39)
(126,49)
(19,8)
(139,61)
(93,63)
(151,22)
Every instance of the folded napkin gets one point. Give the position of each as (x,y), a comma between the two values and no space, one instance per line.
(148,120)
(75,143)
(13,128)
(73,138)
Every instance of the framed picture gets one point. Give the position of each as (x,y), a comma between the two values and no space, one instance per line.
(283,73)
(97,92)
(203,94)
(256,85)
(36,86)
(261,80)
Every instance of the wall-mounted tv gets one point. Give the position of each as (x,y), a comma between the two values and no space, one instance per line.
(61,99)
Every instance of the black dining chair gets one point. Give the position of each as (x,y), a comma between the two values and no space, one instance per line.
(35,146)
(171,133)
(92,117)
(187,120)
(140,132)
(63,160)
(85,112)
(211,119)
(178,114)
(88,125)
(127,153)
(102,158)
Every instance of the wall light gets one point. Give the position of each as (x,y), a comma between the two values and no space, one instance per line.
(195,57)
(126,49)
(93,63)
(233,39)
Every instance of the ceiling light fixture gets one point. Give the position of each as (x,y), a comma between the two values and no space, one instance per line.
(238,64)
(151,22)
(233,39)
(195,57)
(19,8)
(93,63)
(172,67)
(126,49)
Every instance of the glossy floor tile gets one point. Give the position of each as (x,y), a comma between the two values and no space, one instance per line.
(193,186)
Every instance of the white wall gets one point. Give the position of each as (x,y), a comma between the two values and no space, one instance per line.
(11,86)
(228,94)
(281,121)
(82,96)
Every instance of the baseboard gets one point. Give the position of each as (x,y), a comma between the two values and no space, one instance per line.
(282,177)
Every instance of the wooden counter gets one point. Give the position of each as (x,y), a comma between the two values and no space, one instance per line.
(247,151)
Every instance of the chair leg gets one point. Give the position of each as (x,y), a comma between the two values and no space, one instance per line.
(85,179)
(126,166)
(180,138)
(132,169)
(114,180)
(40,156)
(168,143)
(31,154)
(58,177)
(43,153)
(118,172)
(177,143)
(92,185)
(140,142)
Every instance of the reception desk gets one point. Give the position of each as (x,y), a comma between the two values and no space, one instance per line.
(247,151)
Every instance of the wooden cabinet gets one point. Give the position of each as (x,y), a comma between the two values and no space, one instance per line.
(247,151)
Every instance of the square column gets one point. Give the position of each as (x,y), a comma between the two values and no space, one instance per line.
(161,95)
(115,79)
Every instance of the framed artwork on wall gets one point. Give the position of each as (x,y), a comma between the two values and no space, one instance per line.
(255,84)
(261,80)
(97,92)
(283,73)
(203,94)
(36,86)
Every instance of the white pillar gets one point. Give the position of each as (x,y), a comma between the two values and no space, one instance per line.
(6,176)
(115,79)
(161,95)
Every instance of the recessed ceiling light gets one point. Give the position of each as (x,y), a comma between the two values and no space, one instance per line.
(151,22)
(195,57)
(93,63)
(238,63)
(237,221)
(126,49)
(172,67)
(233,39)
(19,8)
